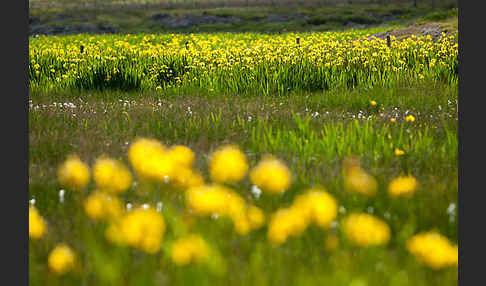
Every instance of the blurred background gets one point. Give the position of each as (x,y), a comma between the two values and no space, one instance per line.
(226,3)
(53,17)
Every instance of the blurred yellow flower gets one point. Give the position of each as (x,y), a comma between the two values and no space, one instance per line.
(61,259)
(100,206)
(207,200)
(181,155)
(227,165)
(285,223)
(410,118)
(433,249)
(185,177)
(220,200)
(37,224)
(399,152)
(358,181)
(150,160)
(189,249)
(373,103)
(271,175)
(318,205)
(402,186)
(365,230)
(73,173)
(142,229)
(256,217)
(111,175)
(393,120)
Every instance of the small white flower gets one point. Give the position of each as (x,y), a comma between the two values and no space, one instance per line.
(451,209)
(129,207)
(214,216)
(32,202)
(145,206)
(256,191)
(159,206)
(61,196)
(342,210)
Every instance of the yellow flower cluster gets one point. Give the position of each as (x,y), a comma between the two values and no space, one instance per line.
(271,175)
(228,57)
(141,228)
(37,224)
(61,259)
(358,181)
(227,165)
(73,173)
(220,200)
(101,206)
(150,159)
(189,249)
(433,249)
(315,206)
(365,230)
(111,176)
(402,186)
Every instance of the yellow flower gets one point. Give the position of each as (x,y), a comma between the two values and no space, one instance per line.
(358,181)
(185,177)
(318,205)
(399,152)
(150,160)
(285,223)
(402,186)
(393,120)
(256,217)
(189,249)
(216,199)
(61,259)
(111,176)
(37,224)
(433,249)
(182,155)
(73,173)
(227,165)
(410,118)
(373,103)
(365,230)
(271,175)
(207,200)
(143,229)
(101,206)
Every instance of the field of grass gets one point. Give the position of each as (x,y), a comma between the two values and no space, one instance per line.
(299,18)
(318,105)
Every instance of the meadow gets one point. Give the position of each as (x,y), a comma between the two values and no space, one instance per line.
(236,159)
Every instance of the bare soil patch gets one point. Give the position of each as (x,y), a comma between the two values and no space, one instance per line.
(435,30)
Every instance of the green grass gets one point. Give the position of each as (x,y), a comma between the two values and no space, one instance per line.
(312,146)
(252,19)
